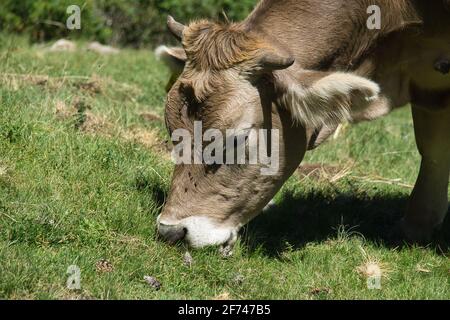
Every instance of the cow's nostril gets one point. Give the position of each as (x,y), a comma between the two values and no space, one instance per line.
(172,233)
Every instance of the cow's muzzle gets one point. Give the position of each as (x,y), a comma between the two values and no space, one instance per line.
(196,231)
(171,233)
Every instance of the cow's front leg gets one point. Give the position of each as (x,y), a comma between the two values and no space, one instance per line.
(428,205)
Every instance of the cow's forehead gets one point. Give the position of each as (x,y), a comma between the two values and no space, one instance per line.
(228,105)
(213,46)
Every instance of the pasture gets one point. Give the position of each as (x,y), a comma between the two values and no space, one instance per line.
(85,168)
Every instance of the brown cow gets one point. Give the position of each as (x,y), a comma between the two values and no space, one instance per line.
(302,67)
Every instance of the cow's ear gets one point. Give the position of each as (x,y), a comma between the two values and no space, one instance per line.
(174,57)
(320,98)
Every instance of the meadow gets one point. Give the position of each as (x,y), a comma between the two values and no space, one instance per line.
(85,168)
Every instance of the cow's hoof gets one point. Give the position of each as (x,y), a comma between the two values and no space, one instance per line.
(417,233)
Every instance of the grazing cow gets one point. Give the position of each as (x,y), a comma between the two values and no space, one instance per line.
(302,67)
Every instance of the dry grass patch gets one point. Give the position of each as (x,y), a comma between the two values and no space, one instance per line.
(89,122)
(222,297)
(151,117)
(424,268)
(84,119)
(64,111)
(373,267)
(15,82)
(375,179)
(91,85)
(148,138)
(321,172)
(96,124)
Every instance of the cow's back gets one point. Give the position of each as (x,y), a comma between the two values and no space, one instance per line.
(333,35)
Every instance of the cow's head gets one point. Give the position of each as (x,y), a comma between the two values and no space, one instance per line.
(233,78)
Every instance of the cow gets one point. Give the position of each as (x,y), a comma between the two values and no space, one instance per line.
(302,67)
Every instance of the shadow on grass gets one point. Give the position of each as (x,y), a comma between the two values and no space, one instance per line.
(154,189)
(317,217)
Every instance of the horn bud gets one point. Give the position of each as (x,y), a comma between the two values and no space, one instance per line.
(175,27)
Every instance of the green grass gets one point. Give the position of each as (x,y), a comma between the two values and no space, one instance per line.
(83,177)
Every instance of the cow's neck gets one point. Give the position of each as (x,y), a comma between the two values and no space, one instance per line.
(327,34)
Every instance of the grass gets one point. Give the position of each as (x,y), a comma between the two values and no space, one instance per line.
(84,171)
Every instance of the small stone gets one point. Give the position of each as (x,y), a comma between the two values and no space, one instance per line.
(101,49)
(63,45)
(238,279)
(226,251)
(187,259)
(153,282)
